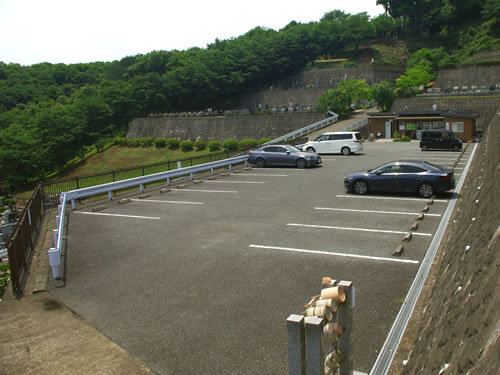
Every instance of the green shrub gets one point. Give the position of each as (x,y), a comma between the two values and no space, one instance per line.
(214,145)
(186,146)
(230,144)
(2,209)
(264,140)
(120,141)
(200,145)
(160,142)
(247,144)
(146,141)
(172,143)
(8,201)
(405,138)
(134,142)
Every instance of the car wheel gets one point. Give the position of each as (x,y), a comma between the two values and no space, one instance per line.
(456,148)
(360,187)
(346,150)
(301,163)
(260,163)
(310,149)
(425,148)
(425,190)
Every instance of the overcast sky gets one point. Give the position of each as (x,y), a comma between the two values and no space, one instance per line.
(71,31)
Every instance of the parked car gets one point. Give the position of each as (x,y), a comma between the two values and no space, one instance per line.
(422,178)
(283,155)
(439,139)
(337,142)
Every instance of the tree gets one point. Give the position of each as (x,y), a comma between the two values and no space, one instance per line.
(356,88)
(384,95)
(336,101)
(408,83)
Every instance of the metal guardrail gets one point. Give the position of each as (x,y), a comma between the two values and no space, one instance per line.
(358,124)
(109,188)
(306,130)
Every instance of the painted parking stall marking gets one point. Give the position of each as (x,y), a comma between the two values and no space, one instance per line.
(235,182)
(373,211)
(390,198)
(260,174)
(333,253)
(159,201)
(357,229)
(118,215)
(206,191)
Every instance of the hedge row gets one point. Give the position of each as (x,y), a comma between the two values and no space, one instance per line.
(187,145)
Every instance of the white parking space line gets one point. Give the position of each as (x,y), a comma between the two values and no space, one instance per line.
(118,215)
(206,191)
(322,252)
(391,198)
(235,182)
(260,174)
(157,201)
(357,229)
(373,211)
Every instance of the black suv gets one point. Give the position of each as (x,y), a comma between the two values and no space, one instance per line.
(440,139)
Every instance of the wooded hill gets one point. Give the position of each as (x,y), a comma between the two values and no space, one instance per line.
(50,113)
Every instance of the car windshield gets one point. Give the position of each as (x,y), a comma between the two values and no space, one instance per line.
(292,149)
(439,167)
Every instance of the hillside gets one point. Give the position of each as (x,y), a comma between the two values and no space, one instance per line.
(456,324)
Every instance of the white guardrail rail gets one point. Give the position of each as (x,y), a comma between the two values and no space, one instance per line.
(109,188)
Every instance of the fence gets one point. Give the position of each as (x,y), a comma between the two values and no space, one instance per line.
(320,340)
(21,243)
(52,189)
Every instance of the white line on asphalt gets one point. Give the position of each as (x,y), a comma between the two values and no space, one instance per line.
(373,211)
(259,174)
(236,182)
(206,191)
(118,215)
(357,229)
(158,201)
(321,252)
(392,198)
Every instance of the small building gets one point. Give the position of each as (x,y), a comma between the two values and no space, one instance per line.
(385,124)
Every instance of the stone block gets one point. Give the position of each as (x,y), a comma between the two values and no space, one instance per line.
(407,237)
(144,196)
(165,191)
(99,208)
(398,251)
(181,186)
(420,217)
(414,226)
(125,200)
(425,209)
(198,181)
(212,178)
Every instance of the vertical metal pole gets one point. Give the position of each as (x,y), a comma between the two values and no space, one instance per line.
(168,181)
(58,219)
(314,346)
(55,237)
(142,166)
(344,318)
(141,188)
(110,195)
(73,205)
(296,345)
(114,176)
(211,171)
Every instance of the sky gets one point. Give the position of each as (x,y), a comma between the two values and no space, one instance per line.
(71,31)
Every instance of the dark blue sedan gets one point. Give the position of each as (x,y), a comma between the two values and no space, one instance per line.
(283,155)
(423,178)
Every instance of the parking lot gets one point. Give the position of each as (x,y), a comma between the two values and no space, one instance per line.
(200,280)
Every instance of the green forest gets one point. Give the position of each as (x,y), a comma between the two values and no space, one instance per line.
(51,113)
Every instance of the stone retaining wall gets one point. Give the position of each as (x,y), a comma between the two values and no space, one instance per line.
(221,128)
(468,76)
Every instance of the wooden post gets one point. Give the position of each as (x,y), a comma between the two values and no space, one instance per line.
(344,318)
(296,345)
(314,347)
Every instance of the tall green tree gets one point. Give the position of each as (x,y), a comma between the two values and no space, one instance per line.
(384,95)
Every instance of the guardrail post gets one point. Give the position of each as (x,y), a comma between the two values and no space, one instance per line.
(141,188)
(59,208)
(73,205)
(58,219)
(191,176)
(55,232)
(55,261)
(179,164)
(211,171)
(110,195)
(168,181)
(296,345)
(314,350)
(230,167)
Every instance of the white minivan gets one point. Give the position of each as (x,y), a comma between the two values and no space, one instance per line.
(337,142)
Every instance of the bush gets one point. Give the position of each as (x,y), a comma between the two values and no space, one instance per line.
(230,144)
(405,138)
(160,142)
(200,145)
(172,143)
(264,140)
(146,141)
(120,141)
(186,146)
(214,145)
(135,142)
(247,144)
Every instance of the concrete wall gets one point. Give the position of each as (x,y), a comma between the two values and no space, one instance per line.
(485,106)
(222,128)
